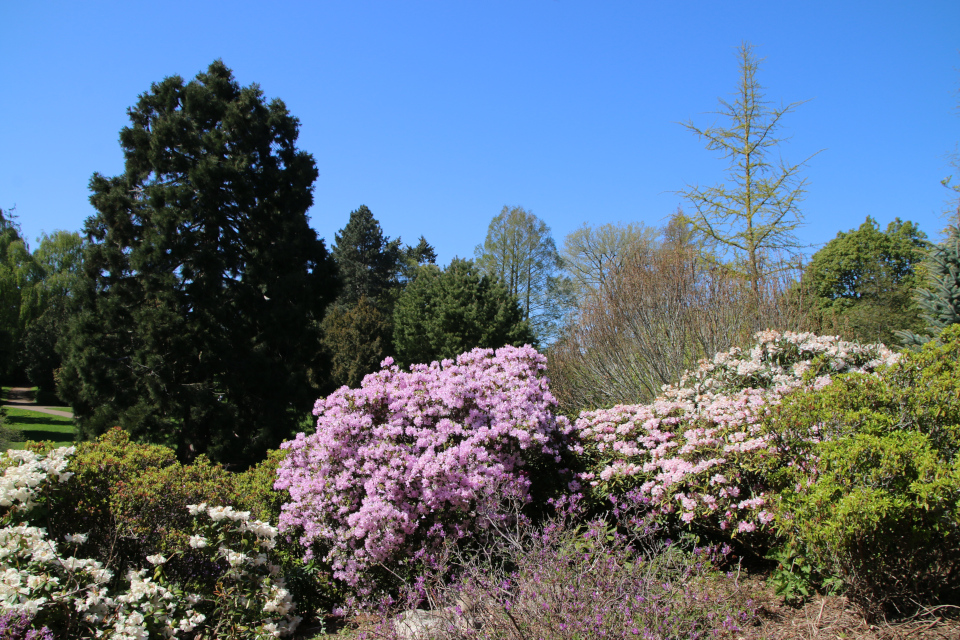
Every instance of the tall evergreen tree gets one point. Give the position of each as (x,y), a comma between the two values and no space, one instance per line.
(443,313)
(368,261)
(939,302)
(415,257)
(358,328)
(203,284)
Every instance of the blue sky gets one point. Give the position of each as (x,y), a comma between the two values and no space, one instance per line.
(436,114)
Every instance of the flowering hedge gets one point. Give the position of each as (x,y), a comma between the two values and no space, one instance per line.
(411,457)
(41,579)
(698,451)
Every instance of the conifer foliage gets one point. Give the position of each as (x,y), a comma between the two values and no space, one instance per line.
(443,313)
(358,327)
(940,302)
(201,276)
(369,262)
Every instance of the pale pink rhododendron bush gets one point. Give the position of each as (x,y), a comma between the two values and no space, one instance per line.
(693,452)
(413,458)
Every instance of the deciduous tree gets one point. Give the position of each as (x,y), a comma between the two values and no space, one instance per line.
(59,257)
(754,216)
(861,282)
(520,251)
(593,255)
(654,318)
(18,274)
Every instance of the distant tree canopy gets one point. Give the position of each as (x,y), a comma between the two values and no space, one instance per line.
(18,273)
(203,285)
(862,281)
(520,251)
(60,260)
(443,313)
(592,256)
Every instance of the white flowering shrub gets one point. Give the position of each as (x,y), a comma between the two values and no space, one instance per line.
(697,454)
(78,597)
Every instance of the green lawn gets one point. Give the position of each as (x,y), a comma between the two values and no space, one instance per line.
(33,425)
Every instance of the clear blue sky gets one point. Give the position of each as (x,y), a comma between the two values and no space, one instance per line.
(436,114)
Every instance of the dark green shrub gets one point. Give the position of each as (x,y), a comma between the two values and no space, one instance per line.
(870,488)
(132,501)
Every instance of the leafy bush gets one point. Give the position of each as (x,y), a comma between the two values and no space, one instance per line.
(309,579)
(79,596)
(700,452)
(872,489)
(131,501)
(412,458)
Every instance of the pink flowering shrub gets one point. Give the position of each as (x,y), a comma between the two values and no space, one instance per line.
(414,457)
(698,452)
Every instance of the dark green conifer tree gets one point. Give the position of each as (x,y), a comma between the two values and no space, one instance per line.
(368,261)
(443,313)
(358,338)
(203,284)
(358,328)
(415,257)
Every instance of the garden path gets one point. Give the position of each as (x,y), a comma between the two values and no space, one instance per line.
(21,397)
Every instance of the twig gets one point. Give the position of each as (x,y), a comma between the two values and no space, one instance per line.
(823,602)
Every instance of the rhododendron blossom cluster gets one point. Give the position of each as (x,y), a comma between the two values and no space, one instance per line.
(691,451)
(39,576)
(411,457)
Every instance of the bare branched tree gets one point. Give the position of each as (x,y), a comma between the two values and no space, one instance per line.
(756,213)
(665,311)
(594,255)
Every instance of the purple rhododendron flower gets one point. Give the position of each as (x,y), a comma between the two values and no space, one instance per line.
(414,457)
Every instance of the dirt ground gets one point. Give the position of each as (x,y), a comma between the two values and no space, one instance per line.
(832,617)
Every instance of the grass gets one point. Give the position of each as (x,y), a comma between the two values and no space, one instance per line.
(33,425)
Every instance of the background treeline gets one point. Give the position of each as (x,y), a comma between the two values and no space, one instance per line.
(199,310)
